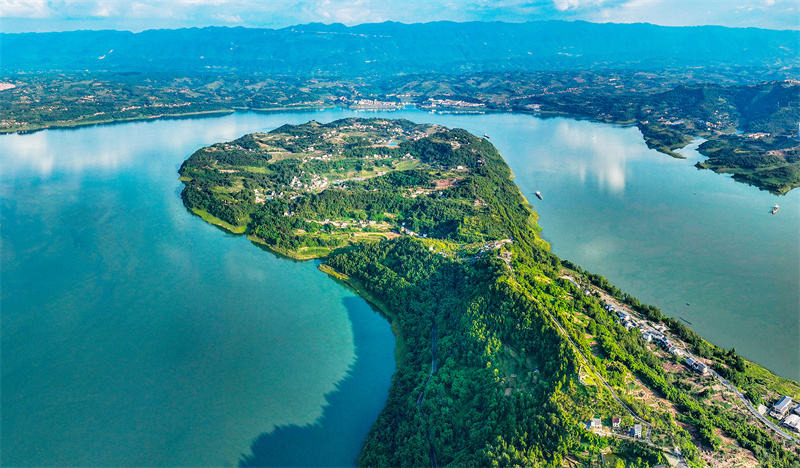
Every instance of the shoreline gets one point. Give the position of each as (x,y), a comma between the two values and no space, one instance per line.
(352,283)
(80,124)
(520,216)
(322,252)
(71,125)
(383,309)
(545,114)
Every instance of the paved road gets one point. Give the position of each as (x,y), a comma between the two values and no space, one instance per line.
(721,379)
(649,428)
(755,412)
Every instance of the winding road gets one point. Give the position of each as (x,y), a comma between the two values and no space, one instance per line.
(754,411)
(760,417)
(599,377)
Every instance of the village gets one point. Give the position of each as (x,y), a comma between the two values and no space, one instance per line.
(780,410)
(783,418)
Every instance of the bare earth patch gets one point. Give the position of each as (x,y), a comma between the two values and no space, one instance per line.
(442,184)
(731,455)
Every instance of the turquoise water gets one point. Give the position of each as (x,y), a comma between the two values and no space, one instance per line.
(659,228)
(697,244)
(134,333)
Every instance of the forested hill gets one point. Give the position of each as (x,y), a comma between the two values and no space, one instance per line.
(504,353)
(394,48)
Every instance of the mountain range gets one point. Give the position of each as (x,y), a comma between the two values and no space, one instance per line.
(397,48)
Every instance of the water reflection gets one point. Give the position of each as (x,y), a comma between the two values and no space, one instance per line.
(117,269)
(108,148)
(593,155)
(669,234)
(157,339)
(44,152)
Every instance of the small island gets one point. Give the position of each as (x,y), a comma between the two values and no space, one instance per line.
(505,353)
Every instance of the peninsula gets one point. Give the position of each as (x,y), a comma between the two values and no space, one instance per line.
(505,353)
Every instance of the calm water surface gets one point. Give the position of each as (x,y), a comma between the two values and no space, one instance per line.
(133,333)
(696,244)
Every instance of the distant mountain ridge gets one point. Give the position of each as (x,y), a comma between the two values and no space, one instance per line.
(397,48)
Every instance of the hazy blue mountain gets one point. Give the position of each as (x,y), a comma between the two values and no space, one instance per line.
(390,48)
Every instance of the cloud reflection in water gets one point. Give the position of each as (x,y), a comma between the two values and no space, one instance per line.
(593,155)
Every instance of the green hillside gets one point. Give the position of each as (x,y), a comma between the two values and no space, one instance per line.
(504,352)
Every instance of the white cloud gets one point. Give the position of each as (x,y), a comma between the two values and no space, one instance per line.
(24,9)
(229,18)
(143,14)
(347,12)
(564,5)
(103,11)
(633,4)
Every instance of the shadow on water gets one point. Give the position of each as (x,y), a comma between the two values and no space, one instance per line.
(337,437)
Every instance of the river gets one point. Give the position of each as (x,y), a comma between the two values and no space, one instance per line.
(133,333)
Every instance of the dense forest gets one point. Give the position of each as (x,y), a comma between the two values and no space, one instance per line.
(505,353)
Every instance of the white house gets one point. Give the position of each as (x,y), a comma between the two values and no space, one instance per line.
(779,409)
(792,422)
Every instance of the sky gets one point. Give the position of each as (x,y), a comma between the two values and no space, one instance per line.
(138,15)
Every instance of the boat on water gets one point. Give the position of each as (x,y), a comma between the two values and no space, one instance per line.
(539,195)
(486,136)
(775,209)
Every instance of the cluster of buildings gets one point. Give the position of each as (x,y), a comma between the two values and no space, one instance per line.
(657,334)
(696,365)
(371,103)
(494,245)
(449,103)
(781,408)
(406,231)
(263,197)
(317,183)
(670,347)
(616,425)
(324,157)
